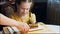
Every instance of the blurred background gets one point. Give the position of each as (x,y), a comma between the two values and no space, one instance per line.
(47,11)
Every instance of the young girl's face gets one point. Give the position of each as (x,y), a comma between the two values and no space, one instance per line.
(24,8)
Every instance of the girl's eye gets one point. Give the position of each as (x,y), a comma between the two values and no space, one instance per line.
(27,9)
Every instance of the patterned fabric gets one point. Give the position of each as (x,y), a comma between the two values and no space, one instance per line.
(29,18)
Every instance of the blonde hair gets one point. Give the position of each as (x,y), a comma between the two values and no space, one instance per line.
(19,2)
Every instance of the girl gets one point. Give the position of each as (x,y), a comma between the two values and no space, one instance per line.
(22,14)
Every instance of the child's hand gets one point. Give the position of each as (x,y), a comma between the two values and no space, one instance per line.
(24,27)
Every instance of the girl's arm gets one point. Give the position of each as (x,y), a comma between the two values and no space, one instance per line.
(7,21)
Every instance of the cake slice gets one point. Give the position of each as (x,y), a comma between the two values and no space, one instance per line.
(33,25)
(36,26)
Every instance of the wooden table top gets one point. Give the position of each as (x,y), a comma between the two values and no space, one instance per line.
(44,30)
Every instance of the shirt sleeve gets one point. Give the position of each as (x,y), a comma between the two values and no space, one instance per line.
(33,18)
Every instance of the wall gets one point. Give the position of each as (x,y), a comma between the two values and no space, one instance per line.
(53,12)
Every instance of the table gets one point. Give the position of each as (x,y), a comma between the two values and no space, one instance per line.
(47,29)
